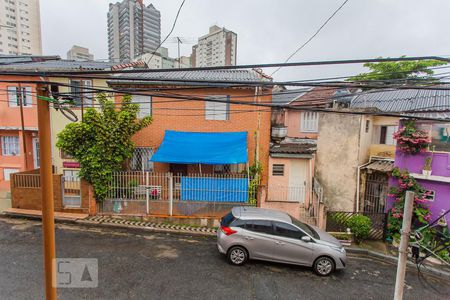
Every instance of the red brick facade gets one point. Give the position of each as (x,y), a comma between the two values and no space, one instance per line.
(187,115)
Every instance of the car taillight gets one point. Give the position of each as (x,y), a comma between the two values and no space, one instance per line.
(227,230)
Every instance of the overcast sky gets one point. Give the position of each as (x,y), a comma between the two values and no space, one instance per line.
(270,30)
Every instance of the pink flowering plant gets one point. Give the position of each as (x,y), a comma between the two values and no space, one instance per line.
(412,140)
(421,213)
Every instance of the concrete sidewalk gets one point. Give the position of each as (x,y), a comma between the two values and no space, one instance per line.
(37,214)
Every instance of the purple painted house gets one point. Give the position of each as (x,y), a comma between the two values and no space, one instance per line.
(438,182)
(433,104)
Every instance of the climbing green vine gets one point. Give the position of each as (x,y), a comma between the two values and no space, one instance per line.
(255,171)
(101,142)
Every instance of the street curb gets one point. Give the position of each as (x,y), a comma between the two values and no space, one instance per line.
(394,259)
(152,227)
(125,224)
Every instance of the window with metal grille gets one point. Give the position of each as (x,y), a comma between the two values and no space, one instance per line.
(278,170)
(10,145)
(145,105)
(140,161)
(309,121)
(14,95)
(219,111)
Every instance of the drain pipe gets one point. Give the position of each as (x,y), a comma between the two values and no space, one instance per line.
(358,178)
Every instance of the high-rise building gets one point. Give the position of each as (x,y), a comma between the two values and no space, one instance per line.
(217,48)
(133,29)
(79,53)
(161,60)
(20,27)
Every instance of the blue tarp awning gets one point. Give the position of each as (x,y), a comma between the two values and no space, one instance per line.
(212,148)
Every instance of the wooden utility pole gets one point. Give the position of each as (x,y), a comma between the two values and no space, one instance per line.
(403,250)
(19,95)
(48,222)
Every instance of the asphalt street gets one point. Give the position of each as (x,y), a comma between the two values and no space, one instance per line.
(140,265)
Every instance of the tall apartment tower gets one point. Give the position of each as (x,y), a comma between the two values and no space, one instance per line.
(133,29)
(217,48)
(20,27)
(79,53)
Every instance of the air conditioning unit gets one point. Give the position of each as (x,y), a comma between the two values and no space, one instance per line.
(279,132)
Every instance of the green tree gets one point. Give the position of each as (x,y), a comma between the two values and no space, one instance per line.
(101,142)
(398,70)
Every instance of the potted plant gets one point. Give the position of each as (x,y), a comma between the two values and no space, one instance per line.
(427,167)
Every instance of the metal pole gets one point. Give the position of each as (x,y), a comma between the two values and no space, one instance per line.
(170,194)
(48,223)
(24,140)
(147,192)
(402,252)
(82,99)
(179,59)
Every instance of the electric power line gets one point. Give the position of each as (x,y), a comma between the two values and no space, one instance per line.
(47,73)
(314,35)
(173,27)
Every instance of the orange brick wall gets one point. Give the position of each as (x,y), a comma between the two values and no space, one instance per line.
(193,119)
(31,198)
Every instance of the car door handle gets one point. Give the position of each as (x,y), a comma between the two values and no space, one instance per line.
(279,243)
(249,238)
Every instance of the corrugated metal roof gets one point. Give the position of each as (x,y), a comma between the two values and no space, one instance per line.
(381,166)
(12,59)
(294,146)
(58,65)
(287,96)
(426,103)
(201,75)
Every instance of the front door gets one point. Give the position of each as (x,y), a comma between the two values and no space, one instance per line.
(289,247)
(36,151)
(297,180)
(376,192)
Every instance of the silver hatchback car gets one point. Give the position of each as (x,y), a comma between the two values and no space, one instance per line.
(265,234)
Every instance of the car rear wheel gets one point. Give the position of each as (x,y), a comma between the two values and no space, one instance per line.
(323,266)
(237,255)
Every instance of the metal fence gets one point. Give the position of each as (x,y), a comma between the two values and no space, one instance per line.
(282,193)
(205,195)
(336,221)
(27,180)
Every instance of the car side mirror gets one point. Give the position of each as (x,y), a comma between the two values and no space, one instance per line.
(306,238)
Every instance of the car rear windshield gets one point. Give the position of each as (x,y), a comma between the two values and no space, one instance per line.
(227,219)
(305,227)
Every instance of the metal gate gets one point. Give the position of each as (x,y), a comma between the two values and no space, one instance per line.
(375,193)
(71,190)
(336,222)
